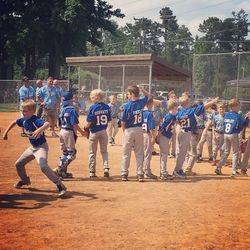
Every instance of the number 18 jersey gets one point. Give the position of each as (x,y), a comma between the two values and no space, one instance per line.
(99,115)
(132,112)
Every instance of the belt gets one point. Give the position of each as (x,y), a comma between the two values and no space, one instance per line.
(210,129)
(219,132)
(201,127)
(68,129)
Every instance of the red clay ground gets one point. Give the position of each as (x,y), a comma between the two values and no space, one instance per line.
(203,212)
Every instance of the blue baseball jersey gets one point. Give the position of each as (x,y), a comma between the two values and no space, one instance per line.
(148,121)
(114,108)
(31,125)
(132,112)
(99,115)
(201,120)
(68,116)
(26,93)
(234,123)
(167,126)
(186,117)
(157,114)
(49,95)
(218,123)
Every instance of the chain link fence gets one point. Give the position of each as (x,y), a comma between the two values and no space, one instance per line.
(226,75)
(9,96)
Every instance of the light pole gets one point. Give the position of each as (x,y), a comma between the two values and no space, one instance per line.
(238,76)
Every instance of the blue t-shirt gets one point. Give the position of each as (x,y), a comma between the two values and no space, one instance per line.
(157,113)
(218,123)
(49,95)
(26,93)
(132,112)
(68,117)
(167,126)
(148,121)
(114,110)
(99,115)
(234,123)
(31,125)
(59,90)
(186,118)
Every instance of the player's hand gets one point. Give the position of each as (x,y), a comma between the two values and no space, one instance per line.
(5,136)
(152,141)
(216,99)
(36,134)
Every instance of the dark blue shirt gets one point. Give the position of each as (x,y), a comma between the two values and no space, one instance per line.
(68,117)
(234,123)
(167,126)
(132,112)
(148,121)
(99,115)
(31,125)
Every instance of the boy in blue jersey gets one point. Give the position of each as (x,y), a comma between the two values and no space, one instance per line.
(233,125)
(148,127)
(34,127)
(68,123)
(131,122)
(218,132)
(164,137)
(186,119)
(98,117)
(113,124)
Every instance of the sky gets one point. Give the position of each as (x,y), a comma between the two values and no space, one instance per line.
(188,12)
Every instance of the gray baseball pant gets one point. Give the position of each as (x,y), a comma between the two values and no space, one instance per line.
(94,138)
(218,141)
(148,149)
(192,152)
(41,155)
(205,137)
(230,141)
(112,128)
(246,155)
(173,142)
(182,144)
(164,149)
(133,137)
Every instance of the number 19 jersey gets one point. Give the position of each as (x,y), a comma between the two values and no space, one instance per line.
(99,115)
(132,112)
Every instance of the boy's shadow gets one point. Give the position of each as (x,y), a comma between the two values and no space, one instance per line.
(38,198)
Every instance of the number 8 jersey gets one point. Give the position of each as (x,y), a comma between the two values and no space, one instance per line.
(132,112)
(99,115)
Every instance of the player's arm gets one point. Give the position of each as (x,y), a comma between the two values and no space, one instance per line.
(11,126)
(77,128)
(152,133)
(209,104)
(143,91)
(123,126)
(40,130)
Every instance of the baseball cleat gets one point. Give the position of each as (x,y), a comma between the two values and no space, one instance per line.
(92,175)
(213,163)
(166,177)
(140,178)
(235,173)
(106,173)
(150,175)
(180,174)
(21,183)
(190,173)
(62,190)
(218,171)
(244,172)
(124,178)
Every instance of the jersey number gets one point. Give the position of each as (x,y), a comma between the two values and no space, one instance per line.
(138,119)
(185,123)
(228,128)
(101,120)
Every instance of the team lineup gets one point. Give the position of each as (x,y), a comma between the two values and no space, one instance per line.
(186,125)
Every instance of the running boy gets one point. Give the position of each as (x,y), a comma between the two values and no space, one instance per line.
(148,127)
(97,121)
(233,125)
(113,124)
(164,136)
(68,123)
(131,122)
(34,128)
(187,121)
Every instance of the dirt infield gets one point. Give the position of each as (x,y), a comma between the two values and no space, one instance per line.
(203,212)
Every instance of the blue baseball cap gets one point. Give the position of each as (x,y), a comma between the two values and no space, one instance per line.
(66,97)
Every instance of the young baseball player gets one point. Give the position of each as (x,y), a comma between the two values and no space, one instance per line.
(164,136)
(233,125)
(131,122)
(34,127)
(68,123)
(218,132)
(148,127)
(97,121)
(113,124)
(187,121)
(244,163)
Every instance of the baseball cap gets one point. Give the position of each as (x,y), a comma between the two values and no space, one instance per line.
(66,97)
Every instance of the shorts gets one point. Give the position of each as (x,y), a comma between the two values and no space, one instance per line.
(50,114)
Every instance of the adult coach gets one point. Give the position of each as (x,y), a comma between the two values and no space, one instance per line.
(26,92)
(49,98)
